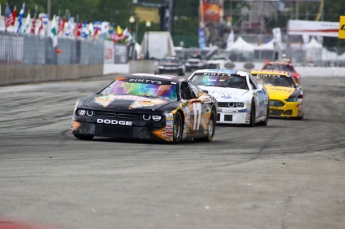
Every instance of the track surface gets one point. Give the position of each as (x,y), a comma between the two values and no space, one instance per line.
(290,174)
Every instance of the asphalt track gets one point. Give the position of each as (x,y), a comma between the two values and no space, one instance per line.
(290,174)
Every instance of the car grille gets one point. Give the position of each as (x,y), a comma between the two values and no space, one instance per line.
(119,115)
(128,116)
(276,103)
(276,112)
(114,131)
(104,113)
(234,105)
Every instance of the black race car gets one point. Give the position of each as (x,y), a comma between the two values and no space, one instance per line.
(149,107)
(170,65)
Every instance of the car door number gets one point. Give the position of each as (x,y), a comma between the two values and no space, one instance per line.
(197,115)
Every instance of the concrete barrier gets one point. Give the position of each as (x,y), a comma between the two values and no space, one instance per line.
(304,71)
(18,74)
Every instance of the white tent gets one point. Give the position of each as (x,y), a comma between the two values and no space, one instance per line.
(313,44)
(313,51)
(241,45)
(329,55)
(159,45)
(267,46)
(342,56)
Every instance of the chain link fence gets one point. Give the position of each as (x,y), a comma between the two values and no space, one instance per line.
(36,50)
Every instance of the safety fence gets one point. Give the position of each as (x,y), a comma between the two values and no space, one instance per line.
(36,50)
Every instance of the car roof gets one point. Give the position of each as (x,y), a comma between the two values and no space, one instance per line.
(279,63)
(170,58)
(270,72)
(226,71)
(148,76)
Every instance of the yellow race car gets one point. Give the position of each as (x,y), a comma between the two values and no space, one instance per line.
(285,95)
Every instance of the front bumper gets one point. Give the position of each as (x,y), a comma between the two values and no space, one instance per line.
(145,130)
(288,110)
(233,116)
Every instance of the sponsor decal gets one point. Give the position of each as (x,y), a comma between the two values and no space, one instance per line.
(114,122)
(207,99)
(146,103)
(225,97)
(147,81)
(169,125)
(169,133)
(169,117)
(105,100)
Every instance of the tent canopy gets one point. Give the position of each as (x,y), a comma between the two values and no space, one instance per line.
(267,46)
(241,45)
(313,44)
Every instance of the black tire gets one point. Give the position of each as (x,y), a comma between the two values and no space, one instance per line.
(210,131)
(177,129)
(252,114)
(300,117)
(84,137)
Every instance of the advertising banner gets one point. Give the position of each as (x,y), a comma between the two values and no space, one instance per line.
(341,34)
(211,15)
(313,28)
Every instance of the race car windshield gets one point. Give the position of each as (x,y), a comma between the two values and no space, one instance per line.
(270,80)
(220,80)
(279,67)
(218,58)
(150,88)
(169,61)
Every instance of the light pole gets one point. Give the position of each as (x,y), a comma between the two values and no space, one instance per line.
(131,21)
(148,25)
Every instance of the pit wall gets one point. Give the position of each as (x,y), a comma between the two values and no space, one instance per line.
(21,74)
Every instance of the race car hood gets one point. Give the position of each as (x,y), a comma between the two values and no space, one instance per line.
(125,102)
(222,93)
(276,92)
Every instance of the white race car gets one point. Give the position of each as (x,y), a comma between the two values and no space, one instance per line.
(241,99)
(220,61)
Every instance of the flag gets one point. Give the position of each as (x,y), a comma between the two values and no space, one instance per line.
(105,27)
(90,31)
(70,26)
(230,41)
(26,29)
(96,30)
(119,31)
(76,27)
(8,17)
(53,32)
(40,25)
(119,35)
(45,19)
(14,15)
(61,26)
(84,31)
(20,19)
(33,24)
(111,29)
(128,36)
